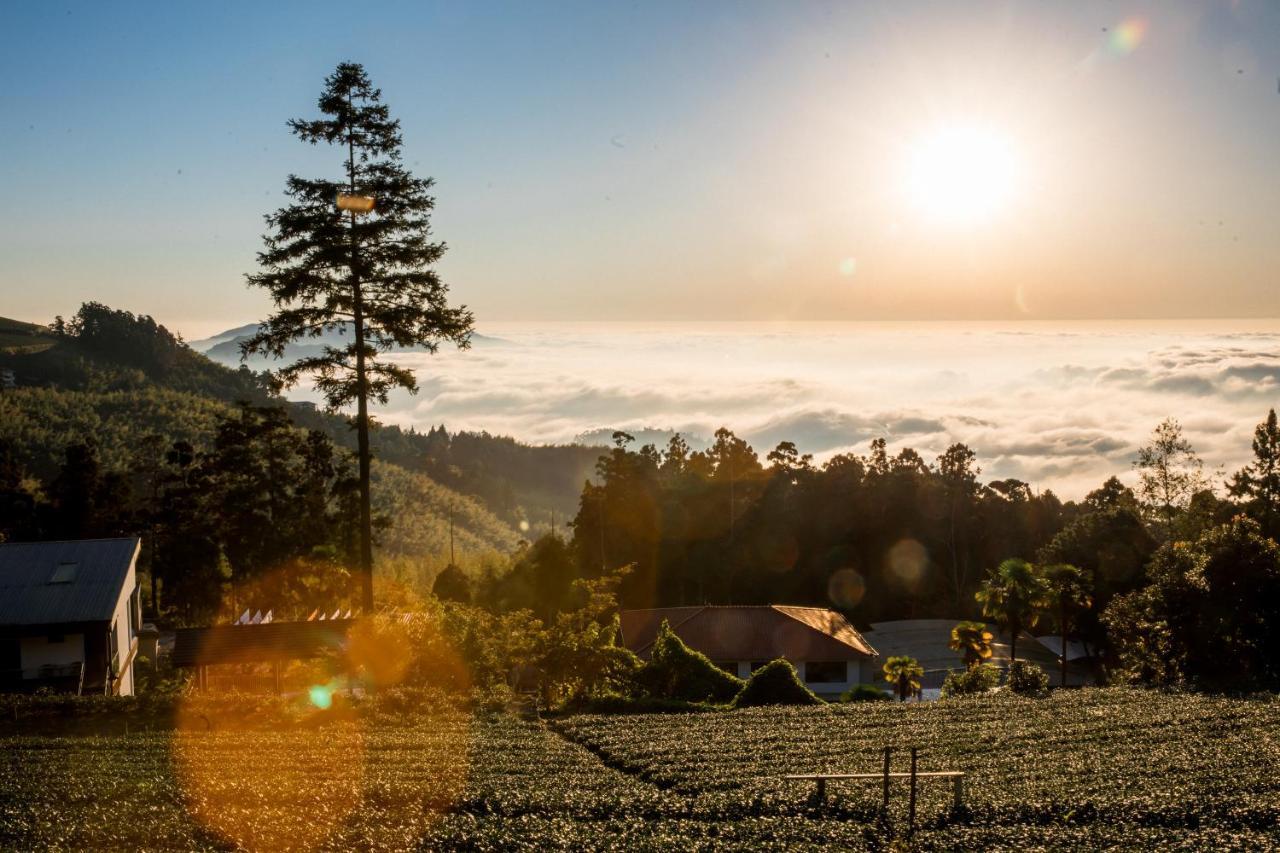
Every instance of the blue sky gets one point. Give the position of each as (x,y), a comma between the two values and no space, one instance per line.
(660,160)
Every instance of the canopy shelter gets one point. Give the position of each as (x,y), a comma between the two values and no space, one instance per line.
(271,643)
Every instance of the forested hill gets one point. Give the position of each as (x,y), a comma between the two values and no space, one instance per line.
(124,359)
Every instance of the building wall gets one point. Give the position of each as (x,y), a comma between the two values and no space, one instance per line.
(123,632)
(37,651)
(857,671)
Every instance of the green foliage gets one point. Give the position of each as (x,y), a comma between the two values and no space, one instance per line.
(865,693)
(674,671)
(1013,595)
(1169,475)
(1026,679)
(775,683)
(1068,592)
(716,526)
(1115,768)
(452,584)
(1207,618)
(973,641)
(904,673)
(978,679)
(1258,483)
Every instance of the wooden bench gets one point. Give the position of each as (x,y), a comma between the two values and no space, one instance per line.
(956,777)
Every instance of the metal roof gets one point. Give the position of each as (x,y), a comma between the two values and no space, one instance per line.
(750,633)
(90,577)
(262,643)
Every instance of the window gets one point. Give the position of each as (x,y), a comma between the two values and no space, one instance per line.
(826,672)
(756,664)
(727,665)
(64,573)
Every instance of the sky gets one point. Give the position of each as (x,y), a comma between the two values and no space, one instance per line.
(668,161)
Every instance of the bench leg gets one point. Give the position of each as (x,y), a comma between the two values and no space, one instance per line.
(822,791)
(957,790)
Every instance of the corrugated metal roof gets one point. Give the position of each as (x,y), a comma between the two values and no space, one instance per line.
(750,633)
(258,643)
(27,597)
(928,641)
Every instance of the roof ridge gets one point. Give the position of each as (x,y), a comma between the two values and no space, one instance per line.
(696,611)
(74,541)
(782,608)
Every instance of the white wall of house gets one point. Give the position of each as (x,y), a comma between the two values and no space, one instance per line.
(40,651)
(856,672)
(125,622)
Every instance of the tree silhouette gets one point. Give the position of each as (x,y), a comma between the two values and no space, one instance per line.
(1169,473)
(1067,591)
(1012,595)
(904,673)
(369,275)
(1259,482)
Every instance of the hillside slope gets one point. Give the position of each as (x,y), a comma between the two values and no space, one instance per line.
(101,349)
(40,422)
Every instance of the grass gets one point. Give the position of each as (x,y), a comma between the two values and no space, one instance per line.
(19,338)
(1091,768)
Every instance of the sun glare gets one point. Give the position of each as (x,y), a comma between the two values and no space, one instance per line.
(961,175)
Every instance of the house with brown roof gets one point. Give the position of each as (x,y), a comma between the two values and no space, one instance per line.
(827,652)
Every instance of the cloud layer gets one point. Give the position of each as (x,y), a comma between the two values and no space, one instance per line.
(1061,406)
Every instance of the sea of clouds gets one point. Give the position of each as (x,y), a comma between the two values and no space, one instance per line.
(1062,406)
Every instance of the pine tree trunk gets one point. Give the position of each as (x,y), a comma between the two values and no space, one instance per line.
(362,400)
(362,446)
(1062,623)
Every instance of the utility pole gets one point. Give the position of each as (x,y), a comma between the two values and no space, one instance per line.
(451,562)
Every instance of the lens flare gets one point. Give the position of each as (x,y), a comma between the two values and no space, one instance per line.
(908,561)
(321,695)
(845,588)
(1125,38)
(292,772)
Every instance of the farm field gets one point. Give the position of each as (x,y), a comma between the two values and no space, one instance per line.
(1091,768)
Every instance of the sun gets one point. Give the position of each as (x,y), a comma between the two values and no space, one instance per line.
(961,175)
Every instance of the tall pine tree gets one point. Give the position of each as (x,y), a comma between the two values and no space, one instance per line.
(368,274)
(1259,482)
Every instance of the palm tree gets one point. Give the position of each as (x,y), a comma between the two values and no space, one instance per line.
(904,673)
(1067,592)
(1012,596)
(973,641)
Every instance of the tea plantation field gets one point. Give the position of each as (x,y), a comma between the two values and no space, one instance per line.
(1087,769)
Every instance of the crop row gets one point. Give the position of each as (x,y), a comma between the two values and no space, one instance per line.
(1092,769)
(1104,755)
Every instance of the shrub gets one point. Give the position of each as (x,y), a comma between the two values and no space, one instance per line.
(1026,678)
(979,679)
(775,683)
(676,671)
(865,693)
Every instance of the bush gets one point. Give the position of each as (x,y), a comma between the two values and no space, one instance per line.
(676,671)
(865,693)
(775,683)
(979,679)
(1026,679)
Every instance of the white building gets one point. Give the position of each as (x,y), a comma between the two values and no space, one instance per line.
(829,655)
(69,615)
